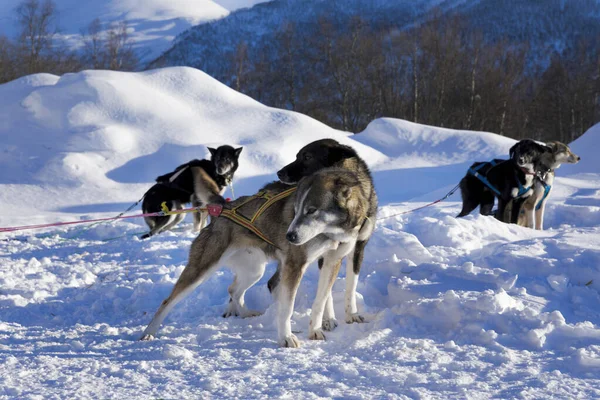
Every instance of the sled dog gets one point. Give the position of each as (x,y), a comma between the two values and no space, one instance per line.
(323,218)
(311,158)
(199,182)
(534,206)
(505,180)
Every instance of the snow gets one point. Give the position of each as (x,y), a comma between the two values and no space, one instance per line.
(152,24)
(455,308)
(233,5)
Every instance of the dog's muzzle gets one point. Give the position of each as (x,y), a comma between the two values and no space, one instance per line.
(292,237)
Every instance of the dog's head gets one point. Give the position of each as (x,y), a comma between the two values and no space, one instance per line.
(225,159)
(313,157)
(526,154)
(561,154)
(329,202)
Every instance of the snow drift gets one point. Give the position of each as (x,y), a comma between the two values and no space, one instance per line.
(100,137)
(456,308)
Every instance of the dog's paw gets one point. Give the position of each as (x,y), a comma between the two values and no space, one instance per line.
(354,318)
(230,313)
(329,324)
(316,334)
(250,313)
(290,341)
(146,337)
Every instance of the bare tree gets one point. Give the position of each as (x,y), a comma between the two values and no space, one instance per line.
(241,64)
(37,30)
(94,51)
(119,49)
(7,62)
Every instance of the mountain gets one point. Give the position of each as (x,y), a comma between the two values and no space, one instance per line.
(547,26)
(152,24)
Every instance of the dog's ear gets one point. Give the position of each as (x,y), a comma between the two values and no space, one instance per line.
(345,183)
(212,151)
(513,150)
(353,202)
(238,151)
(338,153)
(554,146)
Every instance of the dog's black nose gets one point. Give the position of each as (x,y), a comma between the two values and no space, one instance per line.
(292,237)
(279,174)
(578,158)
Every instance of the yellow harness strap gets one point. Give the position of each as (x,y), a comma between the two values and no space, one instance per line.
(248,223)
(239,219)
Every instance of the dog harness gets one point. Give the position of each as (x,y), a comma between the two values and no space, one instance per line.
(546,193)
(475,172)
(248,223)
(483,178)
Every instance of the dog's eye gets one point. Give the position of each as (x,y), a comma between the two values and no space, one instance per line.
(311,210)
(307,157)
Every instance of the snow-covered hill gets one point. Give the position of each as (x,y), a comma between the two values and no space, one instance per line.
(101,137)
(456,308)
(153,24)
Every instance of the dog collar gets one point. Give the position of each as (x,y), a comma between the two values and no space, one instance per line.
(526,171)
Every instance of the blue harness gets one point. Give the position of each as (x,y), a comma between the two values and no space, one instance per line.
(483,178)
(546,192)
(486,182)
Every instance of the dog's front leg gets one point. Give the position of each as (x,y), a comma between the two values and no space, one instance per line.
(353,264)
(291,274)
(539,216)
(329,322)
(329,271)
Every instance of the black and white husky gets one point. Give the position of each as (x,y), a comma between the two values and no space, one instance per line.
(505,180)
(199,182)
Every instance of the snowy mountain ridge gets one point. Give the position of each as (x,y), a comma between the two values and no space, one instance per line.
(152,24)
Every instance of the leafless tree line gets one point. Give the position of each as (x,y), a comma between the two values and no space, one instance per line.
(39,48)
(346,74)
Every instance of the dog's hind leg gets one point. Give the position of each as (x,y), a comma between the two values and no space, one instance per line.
(501,212)
(249,266)
(205,253)
(274,280)
(487,203)
(158,225)
(175,218)
(469,203)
